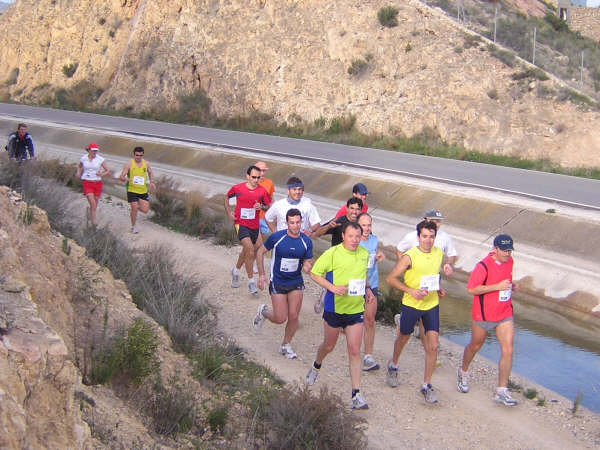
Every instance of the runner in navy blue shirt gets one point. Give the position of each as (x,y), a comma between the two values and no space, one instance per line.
(292,253)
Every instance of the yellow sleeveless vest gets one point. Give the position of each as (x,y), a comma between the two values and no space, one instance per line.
(422,264)
(138,178)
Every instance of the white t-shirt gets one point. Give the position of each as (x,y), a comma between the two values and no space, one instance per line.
(90,168)
(443,241)
(279,209)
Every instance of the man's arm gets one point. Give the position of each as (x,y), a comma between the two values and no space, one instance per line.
(323,229)
(30,147)
(393,278)
(260,263)
(150,176)
(484,289)
(125,171)
(324,283)
(227,209)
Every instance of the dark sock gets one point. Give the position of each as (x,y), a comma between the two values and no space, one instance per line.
(354,392)
(316,366)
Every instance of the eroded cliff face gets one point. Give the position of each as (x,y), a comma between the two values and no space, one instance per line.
(55,306)
(290,59)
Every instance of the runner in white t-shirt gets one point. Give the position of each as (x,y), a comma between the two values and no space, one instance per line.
(276,215)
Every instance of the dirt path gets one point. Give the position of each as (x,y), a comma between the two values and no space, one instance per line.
(397,418)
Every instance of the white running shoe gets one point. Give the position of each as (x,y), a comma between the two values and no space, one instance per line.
(429,394)
(392,375)
(287,351)
(134,230)
(319,303)
(504,397)
(312,375)
(462,381)
(259,319)
(369,363)
(235,278)
(358,402)
(252,289)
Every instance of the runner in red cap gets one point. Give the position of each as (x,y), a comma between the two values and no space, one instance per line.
(91,169)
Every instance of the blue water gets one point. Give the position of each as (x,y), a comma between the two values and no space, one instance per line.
(552,358)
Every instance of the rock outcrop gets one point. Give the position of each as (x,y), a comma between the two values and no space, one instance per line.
(55,302)
(290,59)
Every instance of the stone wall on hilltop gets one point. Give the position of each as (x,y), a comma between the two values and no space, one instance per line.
(290,59)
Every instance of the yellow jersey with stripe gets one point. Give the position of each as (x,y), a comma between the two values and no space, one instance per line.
(422,265)
(138,178)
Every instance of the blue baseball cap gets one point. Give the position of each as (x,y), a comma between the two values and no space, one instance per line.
(503,242)
(360,188)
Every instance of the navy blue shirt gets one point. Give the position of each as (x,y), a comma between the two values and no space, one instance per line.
(288,256)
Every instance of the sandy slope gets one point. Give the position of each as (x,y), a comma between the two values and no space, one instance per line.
(397,418)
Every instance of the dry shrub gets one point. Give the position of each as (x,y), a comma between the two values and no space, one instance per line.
(297,419)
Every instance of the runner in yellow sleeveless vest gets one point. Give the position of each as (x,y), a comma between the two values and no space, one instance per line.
(138,175)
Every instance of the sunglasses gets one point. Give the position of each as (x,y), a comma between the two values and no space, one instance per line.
(255,177)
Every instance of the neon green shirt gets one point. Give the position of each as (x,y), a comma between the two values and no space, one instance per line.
(348,268)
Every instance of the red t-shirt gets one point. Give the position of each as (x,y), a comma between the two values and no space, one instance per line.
(245,214)
(497,305)
(344,209)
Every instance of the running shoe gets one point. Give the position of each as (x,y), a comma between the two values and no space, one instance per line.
(235,279)
(392,376)
(312,375)
(417,331)
(252,287)
(429,394)
(369,363)
(358,402)
(504,397)
(134,230)
(259,319)
(319,303)
(287,351)
(462,381)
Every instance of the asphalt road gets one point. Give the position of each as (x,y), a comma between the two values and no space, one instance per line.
(562,189)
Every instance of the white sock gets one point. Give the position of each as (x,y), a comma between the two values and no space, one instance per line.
(250,280)
(393,366)
(501,390)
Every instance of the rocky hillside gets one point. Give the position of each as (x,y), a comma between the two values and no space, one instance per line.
(55,303)
(291,59)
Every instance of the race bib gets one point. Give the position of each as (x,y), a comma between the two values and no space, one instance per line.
(505,295)
(357,287)
(289,265)
(139,181)
(247,213)
(371,261)
(430,282)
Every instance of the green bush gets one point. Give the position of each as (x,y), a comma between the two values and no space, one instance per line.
(357,67)
(296,419)
(530,72)
(530,393)
(506,57)
(388,16)
(132,356)
(171,407)
(217,418)
(339,125)
(80,97)
(70,69)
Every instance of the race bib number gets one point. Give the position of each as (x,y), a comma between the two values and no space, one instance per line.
(247,213)
(289,265)
(506,295)
(371,261)
(139,181)
(430,282)
(357,287)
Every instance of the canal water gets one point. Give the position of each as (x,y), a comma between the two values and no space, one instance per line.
(551,350)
